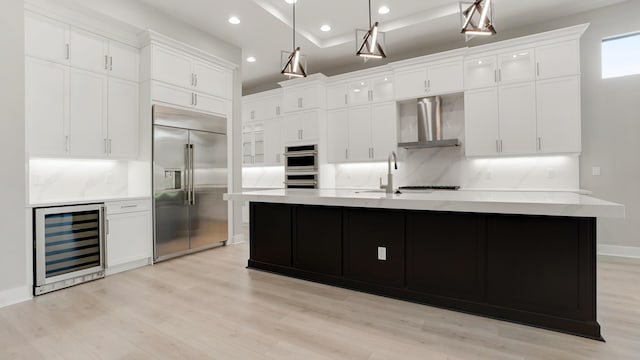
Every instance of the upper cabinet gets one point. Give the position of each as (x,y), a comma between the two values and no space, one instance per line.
(267,105)
(177,68)
(556,60)
(88,51)
(504,68)
(124,61)
(46,38)
(360,91)
(434,78)
(303,98)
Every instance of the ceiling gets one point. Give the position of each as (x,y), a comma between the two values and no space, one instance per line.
(411,25)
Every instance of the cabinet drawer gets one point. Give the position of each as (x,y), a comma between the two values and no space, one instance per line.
(122,207)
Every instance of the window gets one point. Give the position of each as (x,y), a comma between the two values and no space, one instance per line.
(621,56)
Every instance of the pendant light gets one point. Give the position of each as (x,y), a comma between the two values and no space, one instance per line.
(371,47)
(293,66)
(483,11)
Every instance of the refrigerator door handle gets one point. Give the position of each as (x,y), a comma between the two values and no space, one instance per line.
(191,168)
(187,176)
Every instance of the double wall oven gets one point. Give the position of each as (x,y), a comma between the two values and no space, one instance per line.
(301,167)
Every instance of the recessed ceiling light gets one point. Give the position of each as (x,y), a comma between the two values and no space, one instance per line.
(383,10)
(291,1)
(251,59)
(325,28)
(234,20)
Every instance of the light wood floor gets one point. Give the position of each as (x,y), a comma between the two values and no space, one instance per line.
(208,306)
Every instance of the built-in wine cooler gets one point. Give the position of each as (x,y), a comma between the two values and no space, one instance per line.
(68,246)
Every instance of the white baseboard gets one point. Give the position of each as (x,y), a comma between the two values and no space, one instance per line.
(111,270)
(619,251)
(15,295)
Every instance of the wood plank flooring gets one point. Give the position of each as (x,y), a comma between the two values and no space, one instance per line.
(209,306)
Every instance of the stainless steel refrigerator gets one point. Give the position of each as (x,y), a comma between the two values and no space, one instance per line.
(189,179)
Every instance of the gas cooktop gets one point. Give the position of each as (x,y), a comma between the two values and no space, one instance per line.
(430,187)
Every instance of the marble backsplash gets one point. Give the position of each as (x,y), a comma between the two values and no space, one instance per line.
(53,180)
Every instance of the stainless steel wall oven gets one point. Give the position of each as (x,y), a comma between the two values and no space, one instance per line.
(68,246)
(301,167)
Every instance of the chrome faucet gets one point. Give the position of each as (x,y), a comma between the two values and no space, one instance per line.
(389,186)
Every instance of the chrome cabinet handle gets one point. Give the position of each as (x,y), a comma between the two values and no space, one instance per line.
(196,80)
(278,110)
(501,146)
(68,52)
(495,76)
(500,75)
(425,85)
(346,153)
(192,102)
(128,206)
(192,81)
(109,146)
(196,96)
(539,143)
(106,62)
(345,99)
(429,84)
(105,146)
(106,230)
(110,63)
(497,146)
(538,68)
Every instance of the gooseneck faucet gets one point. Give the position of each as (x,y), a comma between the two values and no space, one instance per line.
(389,186)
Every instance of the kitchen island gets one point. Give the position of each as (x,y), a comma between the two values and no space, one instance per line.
(526,257)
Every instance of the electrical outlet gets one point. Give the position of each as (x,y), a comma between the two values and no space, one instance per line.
(382,253)
(595,171)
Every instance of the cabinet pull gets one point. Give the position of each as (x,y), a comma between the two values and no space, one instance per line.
(495,76)
(346,153)
(106,62)
(538,68)
(372,153)
(128,206)
(196,99)
(345,99)
(501,146)
(192,102)
(429,84)
(539,143)
(278,110)
(253,114)
(497,146)
(500,75)
(425,85)
(106,226)
(68,52)
(192,82)
(66,143)
(109,146)
(110,63)
(195,77)
(301,134)
(104,145)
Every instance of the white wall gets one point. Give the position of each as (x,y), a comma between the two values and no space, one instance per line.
(12,192)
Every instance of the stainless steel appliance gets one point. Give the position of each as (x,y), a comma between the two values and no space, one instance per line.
(68,246)
(430,129)
(189,179)
(301,167)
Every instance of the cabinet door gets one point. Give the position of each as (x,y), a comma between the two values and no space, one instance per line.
(247,144)
(516,66)
(446,254)
(518,118)
(310,97)
(359,92)
(212,80)
(272,107)
(129,237)
(250,111)
(338,135)
(481,72)
(337,96)
(367,233)
(123,61)
(292,125)
(171,67)
(88,51)
(46,107)
(88,113)
(481,122)
(445,78)
(123,123)
(559,115)
(382,89)
(172,95)
(410,84)
(384,138)
(317,245)
(291,100)
(273,144)
(558,60)
(258,144)
(46,38)
(310,126)
(359,133)
(210,104)
(271,234)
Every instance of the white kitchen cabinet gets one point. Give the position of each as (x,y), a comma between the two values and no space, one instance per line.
(210,79)
(273,142)
(253,150)
(370,133)
(382,88)
(337,135)
(210,104)
(272,107)
(516,66)
(124,61)
(88,113)
(251,111)
(262,109)
(558,108)
(517,118)
(303,98)
(171,67)
(46,107)
(359,133)
(436,78)
(123,119)
(89,51)
(481,122)
(129,232)
(182,97)
(558,60)
(370,90)
(337,96)
(480,72)
(384,127)
(301,127)
(45,38)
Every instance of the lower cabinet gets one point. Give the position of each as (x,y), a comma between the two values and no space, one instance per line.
(446,254)
(271,233)
(129,232)
(374,251)
(318,242)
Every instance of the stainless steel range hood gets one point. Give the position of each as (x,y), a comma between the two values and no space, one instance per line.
(430,126)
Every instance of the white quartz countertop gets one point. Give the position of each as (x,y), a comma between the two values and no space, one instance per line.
(498,202)
(87,200)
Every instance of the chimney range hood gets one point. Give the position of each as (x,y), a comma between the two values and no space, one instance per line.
(430,126)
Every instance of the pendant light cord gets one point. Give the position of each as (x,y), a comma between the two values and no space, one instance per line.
(294,25)
(369,14)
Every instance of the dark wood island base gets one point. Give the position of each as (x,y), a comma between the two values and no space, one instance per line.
(529,269)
